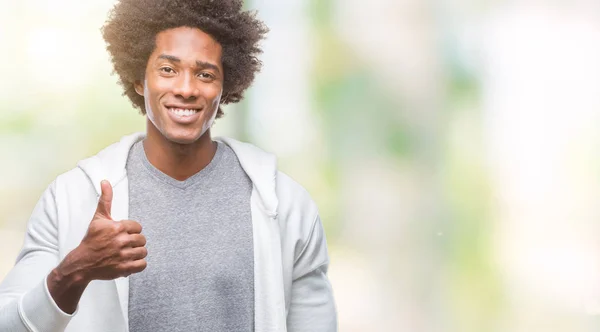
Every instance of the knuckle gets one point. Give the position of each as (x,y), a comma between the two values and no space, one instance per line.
(122,241)
(118,227)
(122,255)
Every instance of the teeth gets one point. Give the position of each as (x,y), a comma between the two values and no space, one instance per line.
(182,111)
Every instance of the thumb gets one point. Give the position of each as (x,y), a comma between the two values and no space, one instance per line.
(105,201)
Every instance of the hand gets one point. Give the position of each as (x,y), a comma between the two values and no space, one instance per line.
(110,249)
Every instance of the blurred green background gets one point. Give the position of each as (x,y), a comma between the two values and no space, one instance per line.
(451,146)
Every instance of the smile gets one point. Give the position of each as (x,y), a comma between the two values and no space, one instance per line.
(183,111)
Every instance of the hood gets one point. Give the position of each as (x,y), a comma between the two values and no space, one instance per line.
(260,166)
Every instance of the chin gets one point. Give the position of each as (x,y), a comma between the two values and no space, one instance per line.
(183,137)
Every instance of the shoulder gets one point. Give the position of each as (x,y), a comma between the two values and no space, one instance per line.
(297,214)
(73,179)
(72,192)
(293,198)
(67,192)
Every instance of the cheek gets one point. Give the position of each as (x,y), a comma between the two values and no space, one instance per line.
(214,94)
(147,98)
(154,89)
(150,101)
(160,85)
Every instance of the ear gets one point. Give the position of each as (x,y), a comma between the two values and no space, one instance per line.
(139,87)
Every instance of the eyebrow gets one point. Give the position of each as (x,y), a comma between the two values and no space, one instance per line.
(201,64)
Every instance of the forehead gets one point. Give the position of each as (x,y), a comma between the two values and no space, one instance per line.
(188,44)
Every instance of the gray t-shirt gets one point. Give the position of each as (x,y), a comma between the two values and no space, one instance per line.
(200,274)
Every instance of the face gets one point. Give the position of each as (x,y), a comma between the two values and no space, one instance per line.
(183,84)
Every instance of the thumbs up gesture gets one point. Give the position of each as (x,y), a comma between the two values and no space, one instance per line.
(110,249)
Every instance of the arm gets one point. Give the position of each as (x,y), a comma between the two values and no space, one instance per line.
(25,301)
(312,306)
(39,294)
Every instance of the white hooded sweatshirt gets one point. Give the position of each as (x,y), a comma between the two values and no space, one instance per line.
(292,292)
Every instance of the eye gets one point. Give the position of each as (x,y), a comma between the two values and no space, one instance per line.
(167,70)
(206,76)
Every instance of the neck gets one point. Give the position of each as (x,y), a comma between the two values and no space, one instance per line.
(179,161)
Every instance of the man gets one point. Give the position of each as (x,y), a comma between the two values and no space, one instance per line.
(171,230)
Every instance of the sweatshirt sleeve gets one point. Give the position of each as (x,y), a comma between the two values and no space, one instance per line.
(312,306)
(25,302)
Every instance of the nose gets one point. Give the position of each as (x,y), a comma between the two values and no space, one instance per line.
(185,87)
